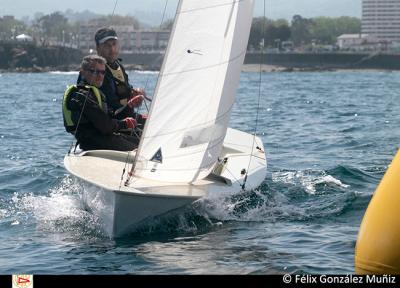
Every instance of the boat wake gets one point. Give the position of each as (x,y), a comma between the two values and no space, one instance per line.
(285,196)
(310,180)
(60,211)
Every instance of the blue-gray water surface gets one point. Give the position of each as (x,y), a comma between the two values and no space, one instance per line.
(328,136)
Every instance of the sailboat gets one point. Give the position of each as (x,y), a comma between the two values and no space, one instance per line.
(186,150)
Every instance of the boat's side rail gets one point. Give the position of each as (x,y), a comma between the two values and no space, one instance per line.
(122,156)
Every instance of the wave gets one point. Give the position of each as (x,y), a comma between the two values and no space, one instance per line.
(289,196)
(357,178)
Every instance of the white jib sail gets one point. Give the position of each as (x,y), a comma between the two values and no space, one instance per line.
(196,90)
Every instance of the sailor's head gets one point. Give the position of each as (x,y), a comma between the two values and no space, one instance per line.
(93,69)
(107,44)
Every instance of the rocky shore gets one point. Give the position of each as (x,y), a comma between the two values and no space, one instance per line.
(27,57)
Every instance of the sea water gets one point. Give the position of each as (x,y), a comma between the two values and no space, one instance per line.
(329,137)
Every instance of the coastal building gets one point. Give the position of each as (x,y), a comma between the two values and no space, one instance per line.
(361,42)
(381,18)
(87,31)
(130,39)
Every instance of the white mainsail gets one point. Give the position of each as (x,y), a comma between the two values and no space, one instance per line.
(196,90)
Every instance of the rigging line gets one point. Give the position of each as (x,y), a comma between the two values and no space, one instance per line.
(123,170)
(127,159)
(127,156)
(79,121)
(115,6)
(130,173)
(159,28)
(233,175)
(148,76)
(259,97)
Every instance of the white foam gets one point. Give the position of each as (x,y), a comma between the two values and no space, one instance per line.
(64,72)
(59,211)
(3,213)
(146,72)
(308,179)
(228,206)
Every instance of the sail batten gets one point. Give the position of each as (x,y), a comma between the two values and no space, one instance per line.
(196,90)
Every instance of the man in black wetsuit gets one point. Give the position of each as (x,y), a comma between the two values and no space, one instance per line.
(87,116)
(119,93)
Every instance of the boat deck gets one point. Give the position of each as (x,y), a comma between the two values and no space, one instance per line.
(108,169)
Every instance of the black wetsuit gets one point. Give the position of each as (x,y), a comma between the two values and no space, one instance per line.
(115,91)
(96,129)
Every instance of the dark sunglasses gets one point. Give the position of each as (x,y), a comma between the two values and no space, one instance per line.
(97,72)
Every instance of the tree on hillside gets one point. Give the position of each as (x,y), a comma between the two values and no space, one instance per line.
(269,30)
(11,27)
(56,26)
(52,24)
(300,30)
(348,25)
(325,29)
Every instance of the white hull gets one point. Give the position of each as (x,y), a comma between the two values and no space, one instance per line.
(121,207)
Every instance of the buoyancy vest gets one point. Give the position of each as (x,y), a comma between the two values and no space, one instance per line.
(69,123)
(120,79)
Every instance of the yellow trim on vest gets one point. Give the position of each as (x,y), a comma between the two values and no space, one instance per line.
(67,113)
(123,101)
(117,73)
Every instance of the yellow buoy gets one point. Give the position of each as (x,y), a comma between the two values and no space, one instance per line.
(378,245)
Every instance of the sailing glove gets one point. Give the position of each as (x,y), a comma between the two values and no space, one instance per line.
(136,101)
(130,123)
(137,91)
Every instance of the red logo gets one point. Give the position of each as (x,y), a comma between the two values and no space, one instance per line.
(22,281)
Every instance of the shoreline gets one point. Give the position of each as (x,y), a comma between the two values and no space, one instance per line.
(253,68)
(276,68)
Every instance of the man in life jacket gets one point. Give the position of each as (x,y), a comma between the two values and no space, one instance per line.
(119,93)
(87,116)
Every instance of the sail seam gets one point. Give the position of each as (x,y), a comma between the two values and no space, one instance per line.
(219,140)
(206,165)
(211,7)
(192,127)
(206,67)
(197,152)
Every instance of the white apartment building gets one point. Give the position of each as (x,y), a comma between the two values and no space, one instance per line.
(381,18)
